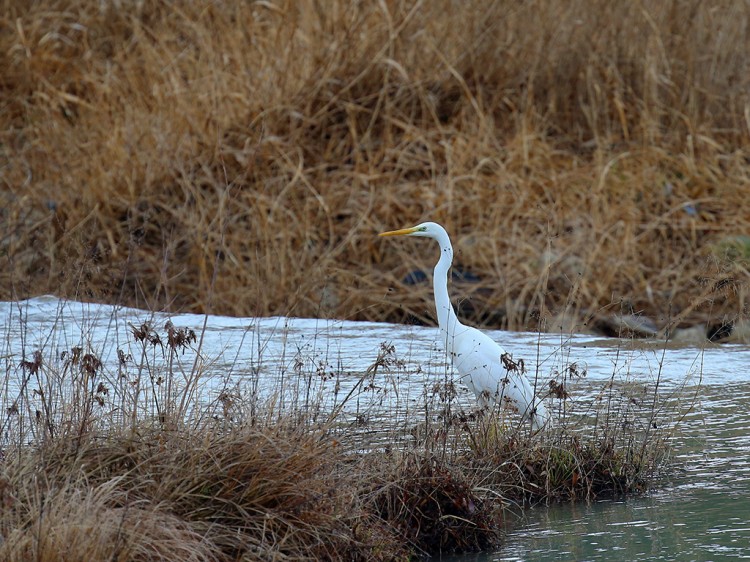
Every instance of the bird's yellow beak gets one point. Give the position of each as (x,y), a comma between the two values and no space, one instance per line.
(400,232)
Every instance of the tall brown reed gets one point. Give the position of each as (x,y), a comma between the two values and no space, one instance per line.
(584,156)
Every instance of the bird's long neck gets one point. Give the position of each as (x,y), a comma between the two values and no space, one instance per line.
(446,316)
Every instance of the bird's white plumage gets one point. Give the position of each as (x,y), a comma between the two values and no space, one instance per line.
(477,358)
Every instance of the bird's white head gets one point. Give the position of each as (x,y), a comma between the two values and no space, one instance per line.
(426,229)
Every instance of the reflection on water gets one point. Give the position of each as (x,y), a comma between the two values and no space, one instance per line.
(701,510)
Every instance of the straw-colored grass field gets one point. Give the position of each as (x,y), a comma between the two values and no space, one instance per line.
(239,158)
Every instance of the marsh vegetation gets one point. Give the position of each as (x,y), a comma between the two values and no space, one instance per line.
(590,159)
(238,158)
(148,451)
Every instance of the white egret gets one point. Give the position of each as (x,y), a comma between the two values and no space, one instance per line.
(480,362)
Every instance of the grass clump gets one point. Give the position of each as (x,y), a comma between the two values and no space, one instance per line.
(565,467)
(146,473)
(271,493)
(435,508)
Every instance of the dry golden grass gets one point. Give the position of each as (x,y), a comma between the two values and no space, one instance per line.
(252,494)
(293,490)
(133,463)
(239,158)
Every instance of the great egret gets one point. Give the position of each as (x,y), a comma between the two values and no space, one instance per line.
(481,363)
